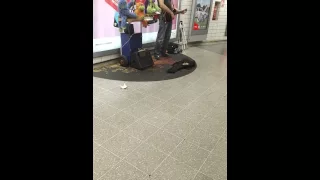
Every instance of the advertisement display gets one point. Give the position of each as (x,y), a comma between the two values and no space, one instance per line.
(201,17)
(107,37)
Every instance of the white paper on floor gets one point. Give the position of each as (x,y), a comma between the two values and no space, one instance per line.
(124,86)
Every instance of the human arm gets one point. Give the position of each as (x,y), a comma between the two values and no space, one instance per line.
(176,11)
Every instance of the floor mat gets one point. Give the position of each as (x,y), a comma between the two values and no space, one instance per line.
(158,72)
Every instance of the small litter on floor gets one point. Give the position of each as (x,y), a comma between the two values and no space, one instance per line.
(124,86)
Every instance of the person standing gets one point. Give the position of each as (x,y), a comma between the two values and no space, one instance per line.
(165,26)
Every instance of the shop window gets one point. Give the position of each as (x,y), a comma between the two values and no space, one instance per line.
(216,10)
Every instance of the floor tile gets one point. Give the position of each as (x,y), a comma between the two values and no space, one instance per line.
(177,81)
(164,141)
(95,146)
(124,171)
(172,169)
(216,164)
(215,167)
(138,110)
(105,111)
(208,81)
(157,118)
(190,154)
(103,161)
(220,88)
(193,113)
(149,88)
(151,102)
(102,132)
(115,100)
(218,111)
(121,120)
(95,176)
(146,158)
(97,80)
(184,98)
(197,88)
(97,90)
(129,93)
(203,139)
(97,120)
(133,85)
(178,128)
(97,102)
(141,130)
(122,144)
(164,94)
(109,84)
(221,149)
(201,176)
(166,129)
(170,109)
(210,98)
(215,124)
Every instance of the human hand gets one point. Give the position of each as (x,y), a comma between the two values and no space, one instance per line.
(184,11)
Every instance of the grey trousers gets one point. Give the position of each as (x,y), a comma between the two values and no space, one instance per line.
(163,37)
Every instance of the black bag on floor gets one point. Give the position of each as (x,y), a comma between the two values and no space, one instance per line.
(141,59)
(173,48)
(185,63)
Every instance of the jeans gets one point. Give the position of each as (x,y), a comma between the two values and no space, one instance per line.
(163,37)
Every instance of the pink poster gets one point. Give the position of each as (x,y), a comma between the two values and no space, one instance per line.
(103,18)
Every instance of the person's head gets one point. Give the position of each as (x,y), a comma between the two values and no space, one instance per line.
(122,4)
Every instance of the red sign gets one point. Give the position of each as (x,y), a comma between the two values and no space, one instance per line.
(195,26)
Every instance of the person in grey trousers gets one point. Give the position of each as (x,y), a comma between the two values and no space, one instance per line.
(165,26)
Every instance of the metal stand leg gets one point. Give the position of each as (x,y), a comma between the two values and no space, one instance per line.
(183,38)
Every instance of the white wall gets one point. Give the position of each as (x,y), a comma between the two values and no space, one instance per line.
(216,27)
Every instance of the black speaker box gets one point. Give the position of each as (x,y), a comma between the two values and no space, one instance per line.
(141,59)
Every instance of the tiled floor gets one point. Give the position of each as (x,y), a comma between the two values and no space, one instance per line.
(173,130)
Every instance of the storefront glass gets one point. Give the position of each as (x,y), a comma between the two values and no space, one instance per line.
(107,37)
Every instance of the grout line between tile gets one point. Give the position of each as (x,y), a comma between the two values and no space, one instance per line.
(154,132)
(207,157)
(157,129)
(214,147)
(188,133)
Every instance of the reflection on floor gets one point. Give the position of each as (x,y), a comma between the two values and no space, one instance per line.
(173,129)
